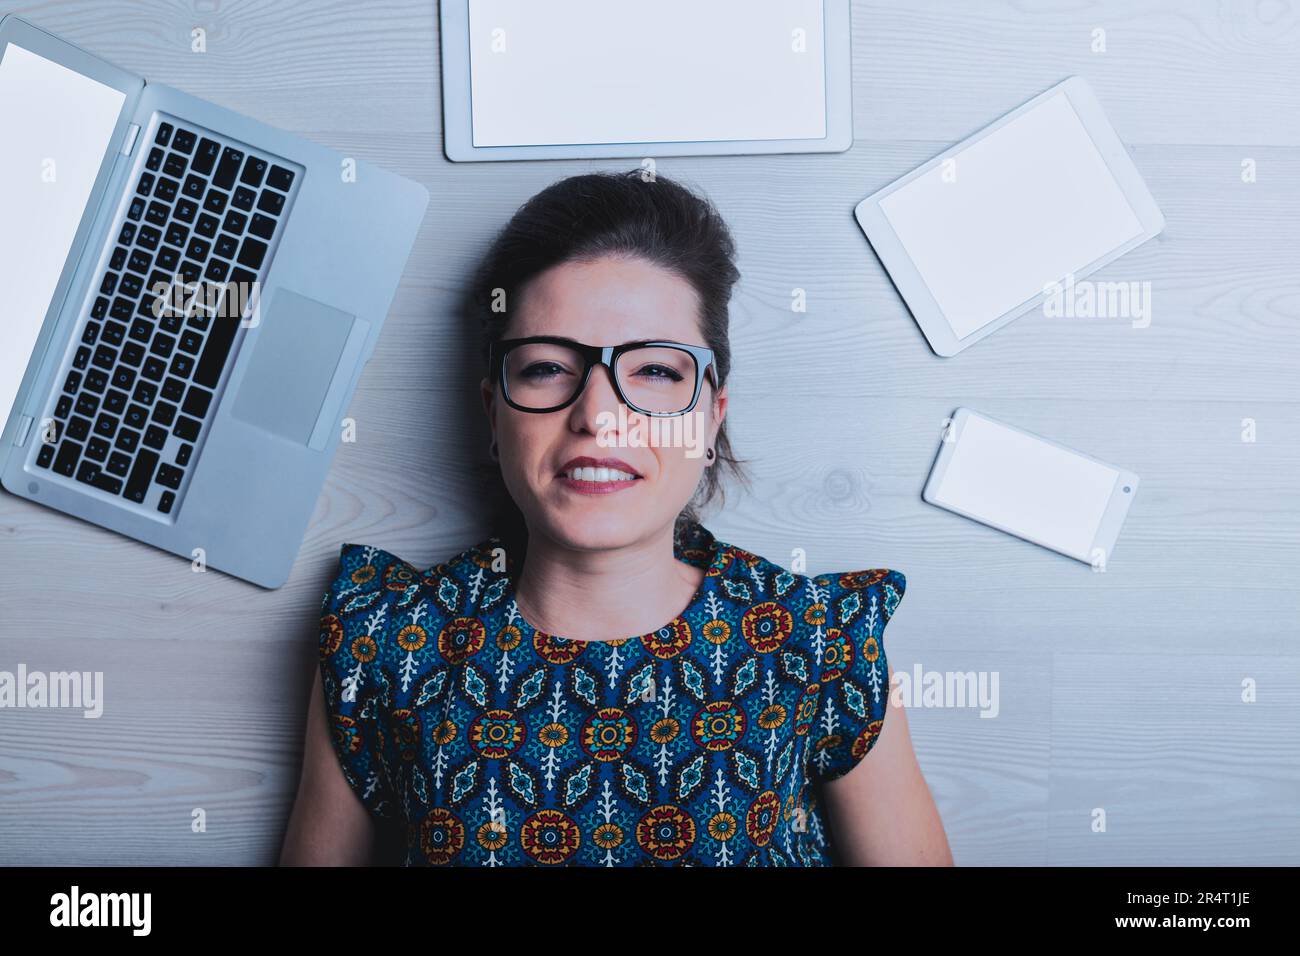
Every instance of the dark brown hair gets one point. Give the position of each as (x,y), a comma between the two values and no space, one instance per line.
(627,214)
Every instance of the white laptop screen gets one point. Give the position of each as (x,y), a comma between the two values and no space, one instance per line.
(596,72)
(55,126)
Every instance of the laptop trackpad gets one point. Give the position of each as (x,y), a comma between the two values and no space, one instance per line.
(293,365)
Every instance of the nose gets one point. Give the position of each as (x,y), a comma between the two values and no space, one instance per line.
(597,396)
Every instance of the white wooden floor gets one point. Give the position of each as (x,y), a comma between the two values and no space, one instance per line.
(1120,691)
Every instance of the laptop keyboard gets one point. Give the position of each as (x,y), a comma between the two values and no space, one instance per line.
(139,387)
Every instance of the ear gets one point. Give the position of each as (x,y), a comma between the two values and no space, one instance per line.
(489,397)
(719,412)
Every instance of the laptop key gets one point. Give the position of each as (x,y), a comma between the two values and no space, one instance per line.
(243,198)
(106,425)
(105,357)
(127,235)
(119,464)
(137,486)
(167,188)
(96,380)
(100,308)
(90,333)
(164,413)
(228,168)
(127,440)
(215,351)
(186,210)
(82,358)
(97,449)
(65,463)
(118,259)
(165,502)
(132,285)
(252,253)
(45,456)
(262,226)
(280,178)
(196,402)
(182,365)
(187,429)
(184,141)
(215,202)
(254,170)
(123,378)
(87,404)
(113,333)
(155,437)
(115,401)
(149,237)
(271,202)
(72,382)
(145,186)
(155,160)
(164,134)
(158,213)
(154,369)
(133,354)
(205,157)
(175,165)
(145,392)
(236,222)
(183,454)
(206,227)
(78,428)
(169,477)
(194,186)
(64,405)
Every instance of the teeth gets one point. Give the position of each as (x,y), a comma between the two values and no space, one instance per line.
(600,474)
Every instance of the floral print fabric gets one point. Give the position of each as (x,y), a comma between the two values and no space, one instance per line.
(703,743)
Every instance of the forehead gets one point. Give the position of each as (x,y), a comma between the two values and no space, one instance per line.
(608,301)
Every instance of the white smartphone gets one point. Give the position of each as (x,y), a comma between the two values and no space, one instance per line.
(1030,487)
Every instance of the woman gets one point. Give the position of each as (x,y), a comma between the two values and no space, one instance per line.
(495,705)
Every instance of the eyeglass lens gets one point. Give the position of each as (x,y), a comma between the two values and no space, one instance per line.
(653,378)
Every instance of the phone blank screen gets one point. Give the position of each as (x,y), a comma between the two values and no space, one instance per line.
(1023,485)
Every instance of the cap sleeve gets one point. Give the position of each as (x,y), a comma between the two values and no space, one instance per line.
(353,630)
(854,675)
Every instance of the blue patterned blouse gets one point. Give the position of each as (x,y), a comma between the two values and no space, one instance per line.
(700,744)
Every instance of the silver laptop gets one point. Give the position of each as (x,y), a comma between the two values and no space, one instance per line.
(187,299)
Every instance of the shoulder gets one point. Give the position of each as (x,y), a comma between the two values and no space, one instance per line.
(372,587)
(873,594)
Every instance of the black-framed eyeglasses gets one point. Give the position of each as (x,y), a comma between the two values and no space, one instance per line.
(545,373)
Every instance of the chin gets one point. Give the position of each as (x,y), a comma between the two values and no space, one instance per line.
(591,527)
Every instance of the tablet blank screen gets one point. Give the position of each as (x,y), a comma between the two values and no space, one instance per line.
(1034,490)
(1021,208)
(602,71)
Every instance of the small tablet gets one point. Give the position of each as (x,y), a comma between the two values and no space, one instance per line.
(1030,487)
(522,79)
(979,234)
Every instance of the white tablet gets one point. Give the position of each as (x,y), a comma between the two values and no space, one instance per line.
(1030,487)
(977,235)
(523,79)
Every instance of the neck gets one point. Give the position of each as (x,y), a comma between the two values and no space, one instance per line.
(606,594)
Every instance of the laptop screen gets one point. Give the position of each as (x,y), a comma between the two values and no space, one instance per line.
(55,126)
(596,72)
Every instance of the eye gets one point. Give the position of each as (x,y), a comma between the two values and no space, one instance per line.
(663,372)
(540,371)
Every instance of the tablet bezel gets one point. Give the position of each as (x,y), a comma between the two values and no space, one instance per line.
(1113,516)
(458,134)
(907,279)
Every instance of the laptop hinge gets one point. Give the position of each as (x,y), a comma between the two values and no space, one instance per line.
(24,426)
(128,141)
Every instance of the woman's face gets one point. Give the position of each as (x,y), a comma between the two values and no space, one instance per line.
(607,301)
